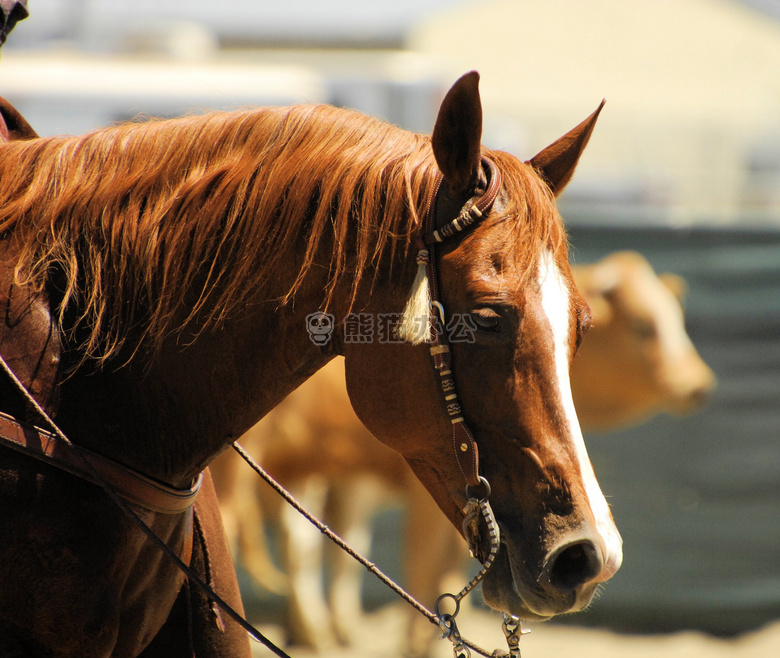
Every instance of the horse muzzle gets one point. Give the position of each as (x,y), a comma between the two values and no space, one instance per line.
(564,580)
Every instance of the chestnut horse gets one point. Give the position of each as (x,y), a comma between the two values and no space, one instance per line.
(635,361)
(181,260)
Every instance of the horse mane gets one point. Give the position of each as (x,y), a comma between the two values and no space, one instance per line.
(145,228)
(135,215)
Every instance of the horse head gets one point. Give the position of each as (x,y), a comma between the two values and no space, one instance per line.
(515,319)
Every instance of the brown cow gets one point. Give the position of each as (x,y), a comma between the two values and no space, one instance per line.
(636,361)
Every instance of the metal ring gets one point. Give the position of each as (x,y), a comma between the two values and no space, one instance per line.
(482,483)
(446,617)
(437,305)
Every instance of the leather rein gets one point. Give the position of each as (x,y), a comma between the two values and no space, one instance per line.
(131,485)
(125,487)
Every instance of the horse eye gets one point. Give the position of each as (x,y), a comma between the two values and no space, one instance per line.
(487,320)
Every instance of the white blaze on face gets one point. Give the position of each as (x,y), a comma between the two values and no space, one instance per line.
(556,306)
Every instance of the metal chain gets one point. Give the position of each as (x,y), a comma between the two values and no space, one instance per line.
(476,509)
(479,508)
(435,619)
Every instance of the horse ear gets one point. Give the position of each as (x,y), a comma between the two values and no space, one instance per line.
(12,124)
(556,163)
(458,133)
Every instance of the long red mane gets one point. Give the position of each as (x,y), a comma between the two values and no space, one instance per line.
(132,217)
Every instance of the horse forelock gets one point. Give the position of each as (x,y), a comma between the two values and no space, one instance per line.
(528,208)
(139,219)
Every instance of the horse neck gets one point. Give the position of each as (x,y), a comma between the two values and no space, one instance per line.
(170,416)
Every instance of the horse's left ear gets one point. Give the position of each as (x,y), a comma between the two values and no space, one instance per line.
(556,163)
(458,133)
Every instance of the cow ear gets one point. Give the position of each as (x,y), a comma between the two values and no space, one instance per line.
(676,284)
(557,162)
(457,134)
(604,278)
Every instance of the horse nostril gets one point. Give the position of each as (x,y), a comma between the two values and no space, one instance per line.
(575,565)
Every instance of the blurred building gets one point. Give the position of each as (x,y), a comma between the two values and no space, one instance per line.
(691,131)
(78,64)
(692,120)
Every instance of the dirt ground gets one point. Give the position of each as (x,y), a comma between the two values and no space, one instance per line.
(381,633)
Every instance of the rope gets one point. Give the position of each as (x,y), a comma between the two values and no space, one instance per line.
(370,566)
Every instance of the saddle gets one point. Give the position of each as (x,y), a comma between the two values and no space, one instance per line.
(29,335)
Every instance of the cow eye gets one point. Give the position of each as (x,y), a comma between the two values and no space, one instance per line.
(644,330)
(487,320)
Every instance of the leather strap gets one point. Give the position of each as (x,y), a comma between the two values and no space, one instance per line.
(472,212)
(131,485)
(463,443)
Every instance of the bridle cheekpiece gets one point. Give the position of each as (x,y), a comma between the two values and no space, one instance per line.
(464,445)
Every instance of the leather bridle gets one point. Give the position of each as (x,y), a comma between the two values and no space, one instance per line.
(463,443)
(479,525)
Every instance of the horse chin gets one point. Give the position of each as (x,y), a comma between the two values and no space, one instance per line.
(500,593)
(505,590)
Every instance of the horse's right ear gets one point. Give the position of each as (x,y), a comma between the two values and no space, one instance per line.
(457,134)
(556,163)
